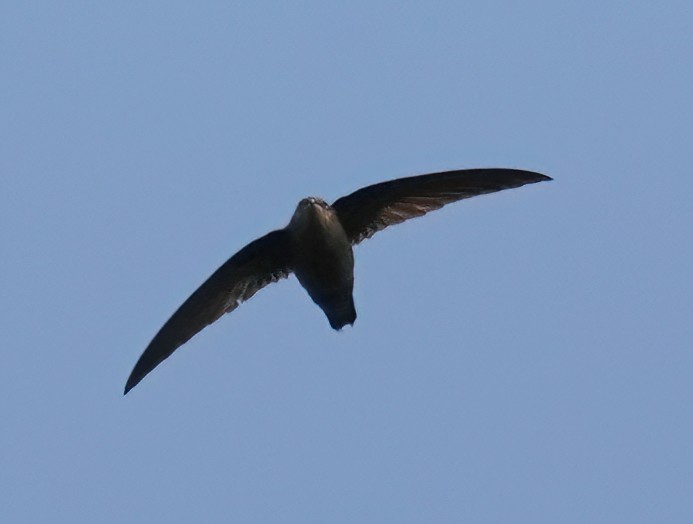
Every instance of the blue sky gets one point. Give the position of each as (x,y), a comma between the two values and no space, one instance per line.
(519,357)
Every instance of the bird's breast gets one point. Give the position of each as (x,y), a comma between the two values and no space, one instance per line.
(323,257)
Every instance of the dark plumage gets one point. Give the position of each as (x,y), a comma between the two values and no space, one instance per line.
(317,247)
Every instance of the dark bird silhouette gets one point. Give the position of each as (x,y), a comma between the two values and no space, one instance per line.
(317,247)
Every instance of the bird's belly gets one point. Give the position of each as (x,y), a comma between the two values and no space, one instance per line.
(325,265)
(326,271)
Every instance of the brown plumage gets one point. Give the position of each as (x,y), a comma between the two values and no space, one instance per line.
(317,247)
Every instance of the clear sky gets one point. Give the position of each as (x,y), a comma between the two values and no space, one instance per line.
(520,357)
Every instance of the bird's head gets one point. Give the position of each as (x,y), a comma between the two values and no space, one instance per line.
(312,202)
(309,209)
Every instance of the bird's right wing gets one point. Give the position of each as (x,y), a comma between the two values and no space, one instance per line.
(373,208)
(261,262)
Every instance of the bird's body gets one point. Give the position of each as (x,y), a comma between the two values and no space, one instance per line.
(323,259)
(316,245)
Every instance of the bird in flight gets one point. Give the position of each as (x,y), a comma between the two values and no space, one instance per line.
(316,246)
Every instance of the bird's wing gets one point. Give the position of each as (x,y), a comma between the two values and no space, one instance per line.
(373,208)
(261,262)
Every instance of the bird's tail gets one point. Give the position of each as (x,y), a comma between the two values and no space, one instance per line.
(339,310)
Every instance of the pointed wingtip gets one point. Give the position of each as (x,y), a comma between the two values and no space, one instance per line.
(131,383)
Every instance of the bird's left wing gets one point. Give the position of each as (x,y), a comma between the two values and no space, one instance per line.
(261,262)
(373,208)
